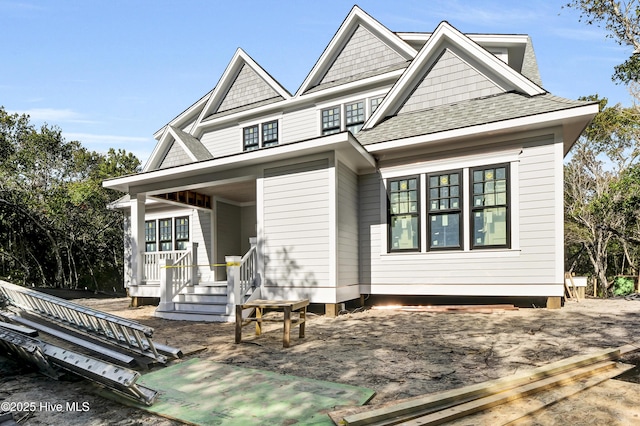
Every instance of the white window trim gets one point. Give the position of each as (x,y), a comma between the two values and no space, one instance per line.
(259,123)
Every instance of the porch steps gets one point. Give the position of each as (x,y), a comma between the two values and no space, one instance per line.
(206,301)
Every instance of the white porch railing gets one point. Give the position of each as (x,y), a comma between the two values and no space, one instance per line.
(184,261)
(242,274)
(176,274)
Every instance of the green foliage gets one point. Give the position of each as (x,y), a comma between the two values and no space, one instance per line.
(623,286)
(622,21)
(55,228)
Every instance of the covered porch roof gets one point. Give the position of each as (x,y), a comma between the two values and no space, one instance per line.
(195,175)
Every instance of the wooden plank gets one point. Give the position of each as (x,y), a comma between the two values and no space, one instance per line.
(524,410)
(475,406)
(432,402)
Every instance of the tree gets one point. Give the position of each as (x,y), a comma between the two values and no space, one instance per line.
(599,202)
(55,228)
(622,20)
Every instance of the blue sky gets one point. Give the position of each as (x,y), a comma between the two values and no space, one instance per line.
(109,73)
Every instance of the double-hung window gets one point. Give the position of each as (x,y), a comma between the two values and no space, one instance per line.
(182,232)
(253,138)
(331,120)
(490,206)
(404,214)
(270,133)
(150,236)
(444,208)
(354,115)
(166,240)
(486,220)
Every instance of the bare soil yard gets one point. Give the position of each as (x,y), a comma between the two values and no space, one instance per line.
(398,354)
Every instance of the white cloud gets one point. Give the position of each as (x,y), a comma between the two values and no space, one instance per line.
(54,116)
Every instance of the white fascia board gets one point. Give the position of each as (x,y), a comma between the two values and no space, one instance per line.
(182,144)
(295,102)
(585,113)
(446,32)
(154,159)
(341,142)
(239,59)
(356,17)
(187,115)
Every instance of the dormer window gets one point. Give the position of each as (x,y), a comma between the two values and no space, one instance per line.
(354,114)
(260,135)
(251,138)
(331,120)
(270,133)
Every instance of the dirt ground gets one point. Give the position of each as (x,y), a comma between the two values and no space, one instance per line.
(398,354)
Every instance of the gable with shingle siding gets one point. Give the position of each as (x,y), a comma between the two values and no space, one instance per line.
(450,80)
(176,156)
(248,88)
(363,52)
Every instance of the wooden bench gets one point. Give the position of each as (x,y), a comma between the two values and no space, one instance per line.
(286,306)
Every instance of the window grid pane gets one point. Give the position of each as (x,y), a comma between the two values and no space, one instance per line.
(270,133)
(490,207)
(444,206)
(150,235)
(374,104)
(354,116)
(331,120)
(251,138)
(164,226)
(182,233)
(404,217)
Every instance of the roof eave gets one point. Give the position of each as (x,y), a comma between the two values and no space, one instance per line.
(572,120)
(343,143)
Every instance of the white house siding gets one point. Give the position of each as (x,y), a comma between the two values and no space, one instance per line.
(347,223)
(296,221)
(201,233)
(300,125)
(227,235)
(528,269)
(223,142)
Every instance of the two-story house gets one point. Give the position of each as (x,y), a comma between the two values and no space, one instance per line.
(405,164)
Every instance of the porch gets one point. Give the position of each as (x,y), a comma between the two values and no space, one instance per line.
(174,278)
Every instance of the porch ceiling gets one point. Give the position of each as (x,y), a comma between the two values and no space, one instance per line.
(240,192)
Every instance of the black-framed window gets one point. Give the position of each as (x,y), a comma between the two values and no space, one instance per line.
(490,224)
(270,133)
(354,116)
(182,232)
(404,213)
(375,102)
(444,210)
(331,120)
(164,228)
(251,138)
(150,236)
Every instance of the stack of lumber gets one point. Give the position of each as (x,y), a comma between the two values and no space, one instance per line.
(445,407)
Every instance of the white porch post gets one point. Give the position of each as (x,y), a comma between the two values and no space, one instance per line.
(194,264)
(233,279)
(166,285)
(137,238)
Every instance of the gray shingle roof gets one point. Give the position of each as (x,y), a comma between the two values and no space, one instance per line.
(195,146)
(469,113)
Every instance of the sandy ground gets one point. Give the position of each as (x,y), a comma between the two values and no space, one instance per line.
(398,354)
